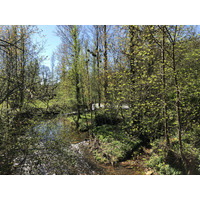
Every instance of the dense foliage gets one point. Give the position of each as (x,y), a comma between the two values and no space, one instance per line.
(144,78)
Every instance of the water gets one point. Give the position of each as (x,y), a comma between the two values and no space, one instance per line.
(56,148)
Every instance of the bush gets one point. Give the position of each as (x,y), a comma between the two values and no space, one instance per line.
(157,162)
(115,144)
(103,117)
(166,160)
(192,137)
(112,151)
(83,127)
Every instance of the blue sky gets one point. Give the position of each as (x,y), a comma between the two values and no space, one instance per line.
(52,41)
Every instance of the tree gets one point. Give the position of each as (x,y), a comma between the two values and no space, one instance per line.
(97,55)
(105,65)
(70,36)
(15,59)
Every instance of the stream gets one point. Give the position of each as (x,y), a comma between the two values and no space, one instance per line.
(56,148)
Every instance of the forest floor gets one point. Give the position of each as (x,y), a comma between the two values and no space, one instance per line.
(134,166)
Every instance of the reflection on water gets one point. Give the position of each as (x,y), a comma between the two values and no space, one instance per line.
(59,129)
(55,147)
(58,149)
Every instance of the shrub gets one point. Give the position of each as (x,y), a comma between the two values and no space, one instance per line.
(112,151)
(157,162)
(166,160)
(103,117)
(83,127)
(115,144)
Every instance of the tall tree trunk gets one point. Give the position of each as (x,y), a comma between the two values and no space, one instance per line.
(22,69)
(132,68)
(78,95)
(98,64)
(177,102)
(77,98)
(88,78)
(132,55)
(164,89)
(178,99)
(105,66)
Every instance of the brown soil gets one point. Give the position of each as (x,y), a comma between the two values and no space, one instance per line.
(134,166)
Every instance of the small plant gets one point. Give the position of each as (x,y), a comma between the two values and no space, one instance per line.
(111,151)
(115,144)
(157,162)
